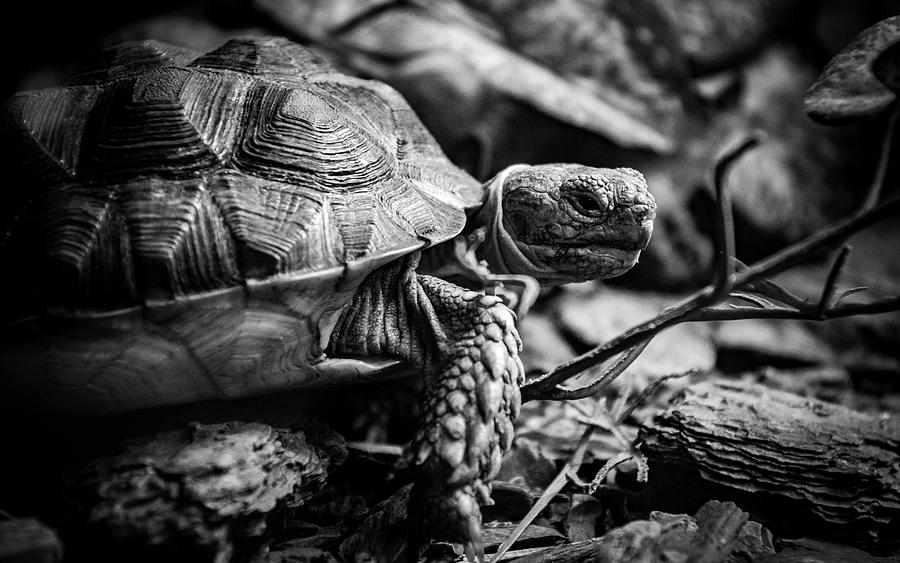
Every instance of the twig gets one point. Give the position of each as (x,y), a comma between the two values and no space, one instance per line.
(633,342)
(883,159)
(700,306)
(724,242)
(554,487)
(609,375)
(818,243)
(606,469)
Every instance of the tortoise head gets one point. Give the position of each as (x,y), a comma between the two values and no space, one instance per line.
(565,223)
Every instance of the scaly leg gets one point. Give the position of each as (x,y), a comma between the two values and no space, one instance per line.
(468,347)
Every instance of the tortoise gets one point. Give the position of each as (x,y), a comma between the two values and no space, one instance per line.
(187,227)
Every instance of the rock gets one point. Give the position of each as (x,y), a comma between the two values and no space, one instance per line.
(626,54)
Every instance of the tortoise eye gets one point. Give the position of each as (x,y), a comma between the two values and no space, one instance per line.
(587,203)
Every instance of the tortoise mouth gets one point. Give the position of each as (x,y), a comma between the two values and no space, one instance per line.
(623,251)
(582,261)
(598,246)
(636,240)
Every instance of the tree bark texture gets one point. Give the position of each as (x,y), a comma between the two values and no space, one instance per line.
(207,490)
(798,465)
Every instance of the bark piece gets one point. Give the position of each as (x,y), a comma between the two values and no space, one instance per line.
(797,464)
(205,490)
(805,550)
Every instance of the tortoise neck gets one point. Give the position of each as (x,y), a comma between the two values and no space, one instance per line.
(499,249)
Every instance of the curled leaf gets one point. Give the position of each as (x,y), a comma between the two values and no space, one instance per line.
(847,89)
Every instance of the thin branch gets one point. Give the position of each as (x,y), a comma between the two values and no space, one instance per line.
(554,487)
(606,469)
(724,243)
(650,390)
(548,386)
(623,363)
(810,314)
(883,159)
(774,292)
(818,243)
(752,298)
(827,300)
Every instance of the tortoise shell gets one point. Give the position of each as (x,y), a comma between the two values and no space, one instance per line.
(185,227)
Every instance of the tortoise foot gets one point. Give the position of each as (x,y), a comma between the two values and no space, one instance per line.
(447,514)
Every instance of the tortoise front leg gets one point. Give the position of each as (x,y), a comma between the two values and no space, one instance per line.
(468,407)
(470,348)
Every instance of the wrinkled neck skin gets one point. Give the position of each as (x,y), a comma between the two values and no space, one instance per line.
(499,249)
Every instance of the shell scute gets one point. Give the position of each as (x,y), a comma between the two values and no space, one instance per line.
(180,242)
(86,260)
(54,122)
(275,58)
(129,59)
(223,170)
(142,129)
(278,227)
